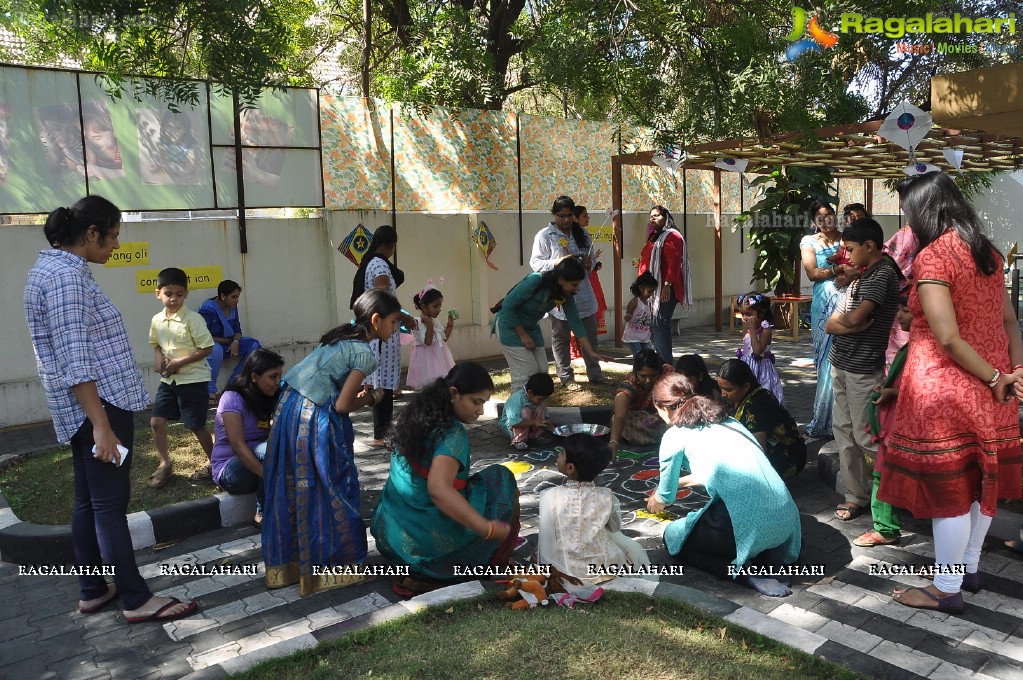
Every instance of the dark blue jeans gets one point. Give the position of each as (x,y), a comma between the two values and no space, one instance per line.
(660,330)
(235,478)
(216,359)
(99,524)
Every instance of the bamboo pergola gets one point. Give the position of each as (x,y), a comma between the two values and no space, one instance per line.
(851,152)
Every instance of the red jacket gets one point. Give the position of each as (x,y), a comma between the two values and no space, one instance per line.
(671,263)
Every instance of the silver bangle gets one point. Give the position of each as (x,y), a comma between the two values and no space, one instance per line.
(995,379)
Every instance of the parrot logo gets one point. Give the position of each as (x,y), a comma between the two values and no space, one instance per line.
(800,43)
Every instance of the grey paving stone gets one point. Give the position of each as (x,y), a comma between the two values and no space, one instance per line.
(863,663)
(949,650)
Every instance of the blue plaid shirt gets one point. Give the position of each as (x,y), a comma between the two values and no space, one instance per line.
(78,336)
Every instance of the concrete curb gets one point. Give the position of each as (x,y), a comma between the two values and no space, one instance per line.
(1006,525)
(561,415)
(28,543)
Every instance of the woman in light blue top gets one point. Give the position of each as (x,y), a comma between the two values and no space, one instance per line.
(750,528)
(815,251)
(311,515)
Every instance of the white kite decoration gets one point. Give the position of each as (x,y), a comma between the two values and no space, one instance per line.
(670,159)
(905,126)
(954,157)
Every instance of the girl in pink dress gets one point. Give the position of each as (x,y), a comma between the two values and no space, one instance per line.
(431,358)
(756,341)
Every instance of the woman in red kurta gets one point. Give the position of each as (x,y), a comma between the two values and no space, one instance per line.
(665,257)
(954,448)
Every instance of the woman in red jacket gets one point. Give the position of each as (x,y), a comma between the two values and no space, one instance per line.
(665,257)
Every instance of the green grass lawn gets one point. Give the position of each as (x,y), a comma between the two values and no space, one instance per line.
(624,636)
(40,488)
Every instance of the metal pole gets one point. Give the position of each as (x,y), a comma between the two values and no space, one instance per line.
(616,223)
(239,173)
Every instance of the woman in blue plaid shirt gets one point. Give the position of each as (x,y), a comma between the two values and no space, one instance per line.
(92,385)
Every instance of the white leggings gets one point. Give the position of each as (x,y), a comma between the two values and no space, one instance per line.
(958,540)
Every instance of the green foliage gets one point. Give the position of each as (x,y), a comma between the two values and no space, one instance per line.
(971,184)
(240,45)
(778,220)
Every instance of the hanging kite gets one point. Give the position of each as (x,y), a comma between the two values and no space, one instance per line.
(954,157)
(484,238)
(905,126)
(355,245)
(670,159)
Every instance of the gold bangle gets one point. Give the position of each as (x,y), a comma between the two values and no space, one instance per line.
(490,533)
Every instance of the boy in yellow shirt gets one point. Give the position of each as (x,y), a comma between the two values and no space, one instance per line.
(181,342)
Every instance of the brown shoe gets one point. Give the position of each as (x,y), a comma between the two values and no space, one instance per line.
(160,477)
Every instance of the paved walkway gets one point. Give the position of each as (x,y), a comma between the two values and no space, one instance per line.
(845,615)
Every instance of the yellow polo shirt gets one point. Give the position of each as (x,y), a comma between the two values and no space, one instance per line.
(178,336)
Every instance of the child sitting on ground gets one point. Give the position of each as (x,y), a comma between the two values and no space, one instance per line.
(525,412)
(693,367)
(580,524)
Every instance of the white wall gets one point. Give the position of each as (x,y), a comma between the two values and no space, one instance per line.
(296,284)
(1001,208)
(287,291)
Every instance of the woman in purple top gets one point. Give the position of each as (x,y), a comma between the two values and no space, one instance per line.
(242,425)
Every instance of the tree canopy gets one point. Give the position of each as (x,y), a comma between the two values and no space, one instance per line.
(688,69)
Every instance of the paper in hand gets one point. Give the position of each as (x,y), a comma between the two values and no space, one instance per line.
(120,449)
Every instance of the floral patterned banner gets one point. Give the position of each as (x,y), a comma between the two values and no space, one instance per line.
(571,157)
(356,143)
(885,202)
(850,191)
(455,162)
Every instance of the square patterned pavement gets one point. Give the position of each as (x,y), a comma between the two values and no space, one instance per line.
(845,615)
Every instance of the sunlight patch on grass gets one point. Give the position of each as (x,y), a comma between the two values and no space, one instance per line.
(625,635)
(40,488)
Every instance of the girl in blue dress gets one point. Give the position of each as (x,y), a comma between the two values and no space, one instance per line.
(311,518)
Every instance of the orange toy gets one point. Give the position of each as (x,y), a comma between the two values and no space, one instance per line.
(529,588)
(532,589)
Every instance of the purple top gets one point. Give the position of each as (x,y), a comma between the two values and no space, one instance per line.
(255,432)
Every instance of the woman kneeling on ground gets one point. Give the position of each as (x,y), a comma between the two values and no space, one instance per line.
(634,418)
(751,524)
(432,515)
(242,426)
(758,410)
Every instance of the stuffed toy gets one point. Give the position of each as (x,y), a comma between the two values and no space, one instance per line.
(530,591)
(529,588)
